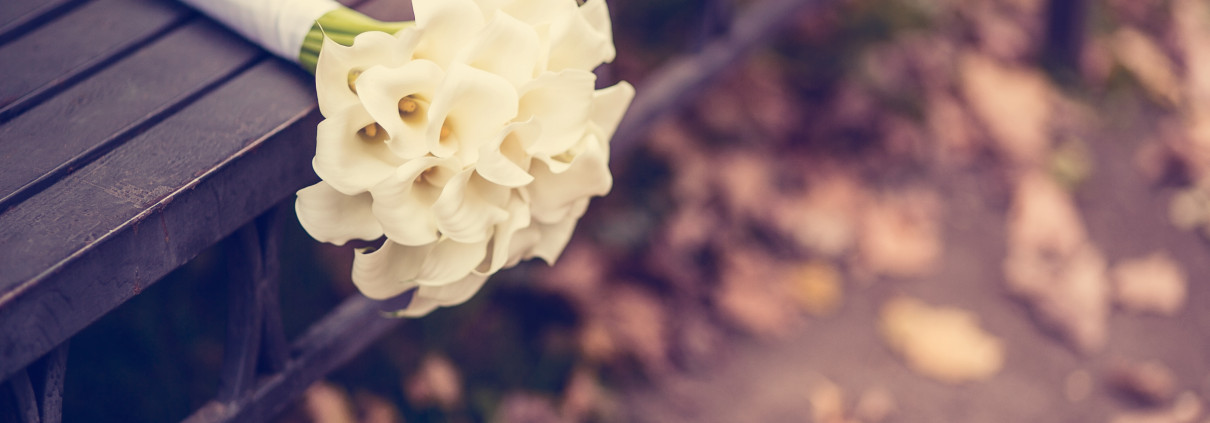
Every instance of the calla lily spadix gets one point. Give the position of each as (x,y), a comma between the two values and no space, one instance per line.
(464,142)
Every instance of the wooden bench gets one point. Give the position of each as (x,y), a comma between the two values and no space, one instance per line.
(136,133)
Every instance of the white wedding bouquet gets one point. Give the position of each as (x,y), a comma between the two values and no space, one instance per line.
(470,139)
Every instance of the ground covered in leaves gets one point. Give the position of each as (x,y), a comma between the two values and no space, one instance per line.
(893,213)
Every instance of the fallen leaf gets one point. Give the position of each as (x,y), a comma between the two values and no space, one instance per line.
(942,343)
(435,383)
(1151,284)
(1185,409)
(326,403)
(823,220)
(900,236)
(818,288)
(521,407)
(1013,102)
(1151,382)
(874,405)
(1149,64)
(752,294)
(1052,265)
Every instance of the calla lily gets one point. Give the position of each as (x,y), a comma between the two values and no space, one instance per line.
(471,141)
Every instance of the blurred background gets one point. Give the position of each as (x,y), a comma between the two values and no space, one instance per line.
(894,211)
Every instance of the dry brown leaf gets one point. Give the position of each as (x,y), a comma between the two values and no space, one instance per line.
(1185,409)
(638,324)
(951,126)
(752,294)
(1013,102)
(1193,30)
(745,182)
(435,383)
(1149,64)
(827,402)
(942,343)
(818,287)
(376,409)
(823,220)
(900,235)
(1151,382)
(1151,284)
(874,405)
(1052,265)
(581,397)
(326,403)
(521,407)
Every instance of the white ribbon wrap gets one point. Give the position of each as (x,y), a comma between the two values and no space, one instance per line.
(277,25)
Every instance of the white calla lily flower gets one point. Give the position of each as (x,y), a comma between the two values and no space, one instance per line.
(471,141)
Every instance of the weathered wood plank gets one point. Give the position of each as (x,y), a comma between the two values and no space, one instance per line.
(19,16)
(81,123)
(67,49)
(86,244)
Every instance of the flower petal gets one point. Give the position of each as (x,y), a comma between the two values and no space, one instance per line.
(505,252)
(369,49)
(448,25)
(450,261)
(504,161)
(388,271)
(506,47)
(330,216)
(473,106)
(554,236)
(553,194)
(428,298)
(539,12)
(609,105)
(562,103)
(469,207)
(404,201)
(381,89)
(579,43)
(346,157)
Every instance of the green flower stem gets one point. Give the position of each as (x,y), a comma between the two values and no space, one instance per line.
(341,25)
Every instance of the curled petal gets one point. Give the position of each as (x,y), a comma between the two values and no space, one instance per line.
(469,207)
(562,103)
(403,202)
(428,298)
(347,157)
(609,105)
(579,43)
(369,49)
(449,261)
(554,236)
(448,25)
(330,216)
(471,108)
(506,47)
(504,251)
(381,91)
(390,270)
(553,194)
(504,161)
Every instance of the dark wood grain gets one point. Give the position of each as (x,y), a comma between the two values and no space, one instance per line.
(65,50)
(86,244)
(81,123)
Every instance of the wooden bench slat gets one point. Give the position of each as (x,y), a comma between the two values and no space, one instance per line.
(48,141)
(66,49)
(86,244)
(18,16)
